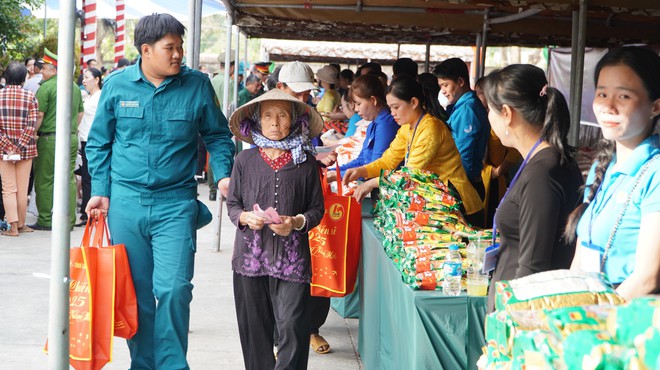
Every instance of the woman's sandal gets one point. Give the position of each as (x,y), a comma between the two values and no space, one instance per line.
(319,344)
(9,233)
(25,229)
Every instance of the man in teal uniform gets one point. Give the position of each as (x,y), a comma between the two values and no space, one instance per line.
(44,164)
(142,150)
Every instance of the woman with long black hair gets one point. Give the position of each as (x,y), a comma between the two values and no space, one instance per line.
(532,117)
(618,231)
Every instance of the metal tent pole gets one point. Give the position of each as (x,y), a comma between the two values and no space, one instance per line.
(237,59)
(225,106)
(190,39)
(197,33)
(477,57)
(484,43)
(577,71)
(58,310)
(428,57)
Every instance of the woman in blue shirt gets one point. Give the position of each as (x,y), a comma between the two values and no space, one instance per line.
(370,104)
(618,231)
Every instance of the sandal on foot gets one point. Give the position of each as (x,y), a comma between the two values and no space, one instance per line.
(319,344)
(9,233)
(25,229)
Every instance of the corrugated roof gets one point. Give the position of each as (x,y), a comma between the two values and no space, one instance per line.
(448,22)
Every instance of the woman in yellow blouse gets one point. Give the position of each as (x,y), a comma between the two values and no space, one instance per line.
(327,77)
(423,142)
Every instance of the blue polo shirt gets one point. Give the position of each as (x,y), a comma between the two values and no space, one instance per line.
(470,129)
(380,134)
(602,213)
(144,138)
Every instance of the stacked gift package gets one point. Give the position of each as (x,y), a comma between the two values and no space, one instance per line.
(418,216)
(570,320)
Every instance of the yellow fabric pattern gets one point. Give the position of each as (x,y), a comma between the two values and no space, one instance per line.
(432,149)
(328,103)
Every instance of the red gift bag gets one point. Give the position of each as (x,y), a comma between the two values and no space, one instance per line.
(102,301)
(335,244)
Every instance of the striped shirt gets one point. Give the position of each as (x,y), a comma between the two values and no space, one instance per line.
(18,120)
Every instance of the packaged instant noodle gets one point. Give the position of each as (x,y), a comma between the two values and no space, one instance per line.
(586,349)
(554,289)
(634,318)
(502,327)
(598,350)
(648,348)
(565,321)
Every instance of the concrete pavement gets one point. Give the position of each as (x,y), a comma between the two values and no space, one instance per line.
(214,342)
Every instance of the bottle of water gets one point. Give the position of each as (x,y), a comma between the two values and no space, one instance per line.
(452,270)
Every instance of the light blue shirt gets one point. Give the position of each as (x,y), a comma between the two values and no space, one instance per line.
(352,125)
(470,129)
(602,213)
(144,138)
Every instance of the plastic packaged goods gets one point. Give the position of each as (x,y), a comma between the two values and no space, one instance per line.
(648,348)
(632,319)
(452,269)
(595,350)
(565,321)
(536,349)
(502,327)
(554,289)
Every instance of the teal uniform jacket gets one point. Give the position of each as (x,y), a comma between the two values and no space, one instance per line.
(144,138)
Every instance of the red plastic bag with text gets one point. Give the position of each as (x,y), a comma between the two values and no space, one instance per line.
(335,244)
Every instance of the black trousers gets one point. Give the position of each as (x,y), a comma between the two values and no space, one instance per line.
(261,304)
(318,310)
(85,180)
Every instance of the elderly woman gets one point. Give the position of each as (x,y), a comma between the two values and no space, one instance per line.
(18,123)
(271,261)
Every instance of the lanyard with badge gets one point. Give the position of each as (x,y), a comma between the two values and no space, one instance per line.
(592,259)
(490,256)
(405,163)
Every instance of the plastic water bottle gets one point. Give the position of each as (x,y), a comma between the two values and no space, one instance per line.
(452,270)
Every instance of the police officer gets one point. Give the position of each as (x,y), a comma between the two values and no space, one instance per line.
(142,150)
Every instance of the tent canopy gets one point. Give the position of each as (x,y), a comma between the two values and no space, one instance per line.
(136,9)
(448,22)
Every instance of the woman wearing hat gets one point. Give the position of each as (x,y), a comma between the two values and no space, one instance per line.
(326,104)
(271,261)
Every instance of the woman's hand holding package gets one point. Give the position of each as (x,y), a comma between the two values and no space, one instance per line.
(253,221)
(353,174)
(288,224)
(365,188)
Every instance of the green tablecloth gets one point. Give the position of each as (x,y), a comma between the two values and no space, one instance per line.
(349,306)
(405,329)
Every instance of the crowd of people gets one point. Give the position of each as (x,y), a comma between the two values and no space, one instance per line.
(145,131)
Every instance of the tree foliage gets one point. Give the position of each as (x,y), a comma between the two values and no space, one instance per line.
(16,28)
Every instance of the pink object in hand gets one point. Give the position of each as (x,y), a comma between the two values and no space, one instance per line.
(270,214)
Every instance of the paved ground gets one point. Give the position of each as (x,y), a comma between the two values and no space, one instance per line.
(214,342)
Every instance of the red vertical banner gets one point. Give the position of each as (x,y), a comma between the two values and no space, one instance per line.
(88,43)
(120,32)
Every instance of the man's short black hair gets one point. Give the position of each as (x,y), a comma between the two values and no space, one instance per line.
(405,66)
(452,69)
(152,28)
(15,73)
